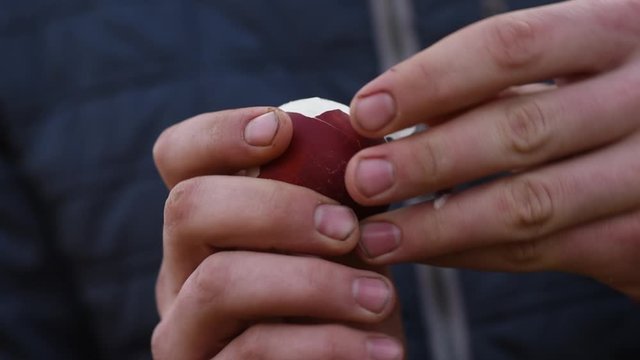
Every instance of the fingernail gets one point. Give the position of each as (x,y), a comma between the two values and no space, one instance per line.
(383,348)
(371,293)
(373,112)
(262,130)
(373,176)
(334,221)
(379,238)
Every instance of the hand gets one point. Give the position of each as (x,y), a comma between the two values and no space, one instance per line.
(219,294)
(572,202)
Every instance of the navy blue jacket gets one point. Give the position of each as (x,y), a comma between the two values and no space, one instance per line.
(86,86)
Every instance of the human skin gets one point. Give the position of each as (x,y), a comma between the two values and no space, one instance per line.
(229,286)
(572,200)
(571,203)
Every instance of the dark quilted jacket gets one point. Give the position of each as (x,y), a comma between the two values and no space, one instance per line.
(86,86)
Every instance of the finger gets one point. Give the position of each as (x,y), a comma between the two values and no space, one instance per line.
(230,290)
(206,214)
(512,133)
(483,59)
(526,206)
(318,342)
(607,250)
(222,142)
(527,89)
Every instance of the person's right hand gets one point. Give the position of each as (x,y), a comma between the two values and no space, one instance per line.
(229,286)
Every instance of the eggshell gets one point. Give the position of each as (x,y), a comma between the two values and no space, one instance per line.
(320,149)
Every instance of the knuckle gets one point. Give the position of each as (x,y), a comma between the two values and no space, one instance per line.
(431,162)
(526,128)
(529,206)
(210,282)
(316,274)
(252,343)
(619,17)
(513,41)
(159,342)
(180,203)
(428,75)
(163,291)
(434,232)
(523,256)
(430,82)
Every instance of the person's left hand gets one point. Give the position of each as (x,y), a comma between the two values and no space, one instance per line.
(572,202)
(249,265)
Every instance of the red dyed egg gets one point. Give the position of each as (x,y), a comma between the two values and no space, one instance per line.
(322,144)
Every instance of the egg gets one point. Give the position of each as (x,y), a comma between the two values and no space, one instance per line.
(323,142)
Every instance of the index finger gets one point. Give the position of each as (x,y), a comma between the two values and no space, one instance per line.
(478,62)
(221,143)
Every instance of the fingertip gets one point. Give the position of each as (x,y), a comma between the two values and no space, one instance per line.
(337,230)
(161,156)
(370,176)
(285,128)
(378,240)
(267,130)
(221,142)
(384,348)
(373,113)
(373,294)
(336,222)
(261,131)
(351,182)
